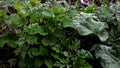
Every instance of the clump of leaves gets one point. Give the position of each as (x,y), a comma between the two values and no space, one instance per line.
(39,38)
(109,53)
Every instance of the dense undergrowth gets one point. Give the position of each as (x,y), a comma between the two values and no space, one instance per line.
(52,35)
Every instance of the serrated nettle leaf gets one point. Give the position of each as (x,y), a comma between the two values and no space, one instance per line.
(31,39)
(81,53)
(2,42)
(14,21)
(21,40)
(57,9)
(43,51)
(35,28)
(33,52)
(48,63)
(57,48)
(48,14)
(35,2)
(23,54)
(65,53)
(90,9)
(11,43)
(64,61)
(17,6)
(35,17)
(38,63)
(56,56)
(86,24)
(49,41)
(75,45)
(66,22)
(23,13)
(60,33)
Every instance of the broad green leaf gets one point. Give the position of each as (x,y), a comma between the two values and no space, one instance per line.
(67,23)
(48,63)
(107,57)
(103,35)
(88,23)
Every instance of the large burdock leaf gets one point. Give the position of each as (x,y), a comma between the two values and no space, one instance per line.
(88,23)
(107,57)
(115,8)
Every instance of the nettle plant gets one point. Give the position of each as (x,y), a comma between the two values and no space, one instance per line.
(47,35)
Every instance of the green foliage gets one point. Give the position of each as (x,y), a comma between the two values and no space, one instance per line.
(50,35)
(90,9)
(107,56)
(110,55)
(37,32)
(84,24)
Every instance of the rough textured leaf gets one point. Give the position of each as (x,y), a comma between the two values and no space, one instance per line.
(35,28)
(108,60)
(48,41)
(14,21)
(87,23)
